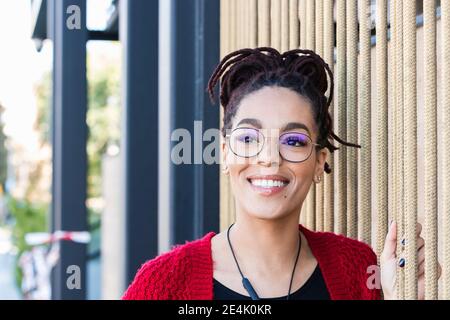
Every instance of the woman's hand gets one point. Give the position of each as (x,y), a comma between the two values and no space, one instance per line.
(389,261)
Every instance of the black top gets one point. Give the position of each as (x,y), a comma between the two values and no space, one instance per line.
(313,289)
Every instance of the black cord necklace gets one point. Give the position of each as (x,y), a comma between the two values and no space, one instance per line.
(246,283)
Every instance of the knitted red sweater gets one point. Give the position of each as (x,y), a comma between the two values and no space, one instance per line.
(186,272)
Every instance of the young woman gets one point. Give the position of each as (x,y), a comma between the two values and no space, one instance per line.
(276,129)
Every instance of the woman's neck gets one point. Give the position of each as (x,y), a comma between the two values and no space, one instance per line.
(265,246)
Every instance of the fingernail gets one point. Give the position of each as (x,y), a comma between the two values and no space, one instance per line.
(401,263)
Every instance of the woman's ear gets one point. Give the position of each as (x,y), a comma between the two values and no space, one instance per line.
(322,156)
(224,154)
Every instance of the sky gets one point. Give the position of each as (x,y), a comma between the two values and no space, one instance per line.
(21,66)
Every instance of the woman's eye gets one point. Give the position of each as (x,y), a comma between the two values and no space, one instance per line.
(247,139)
(295,141)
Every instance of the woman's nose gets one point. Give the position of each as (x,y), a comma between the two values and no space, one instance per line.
(270,153)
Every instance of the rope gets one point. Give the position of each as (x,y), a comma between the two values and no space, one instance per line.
(294,25)
(253,27)
(275,21)
(445,115)
(302,14)
(352,116)
(431,232)
(319,51)
(340,157)
(329,58)
(310,22)
(284,25)
(382,124)
(399,174)
(264,23)
(364,125)
(310,44)
(410,148)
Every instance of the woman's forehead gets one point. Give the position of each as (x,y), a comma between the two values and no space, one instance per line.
(275,108)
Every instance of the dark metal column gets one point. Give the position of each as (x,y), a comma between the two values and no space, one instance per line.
(138,34)
(69,132)
(192,52)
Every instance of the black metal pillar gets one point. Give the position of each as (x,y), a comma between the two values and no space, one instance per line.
(69,133)
(191,51)
(138,33)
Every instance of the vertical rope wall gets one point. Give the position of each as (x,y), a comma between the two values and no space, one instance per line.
(328,46)
(382,124)
(284,25)
(275,16)
(352,116)
(310,44)
(253,27)
(263,23)
(342,202)
(398,142)
(364,125)
(410,147)
(341,123)
(430,145)
(294,25)
(445,116)
(319,51)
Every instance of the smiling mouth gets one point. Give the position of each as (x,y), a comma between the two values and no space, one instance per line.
(268,185)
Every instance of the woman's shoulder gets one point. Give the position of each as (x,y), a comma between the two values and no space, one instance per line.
(154,276)
(352,261)
(337,243)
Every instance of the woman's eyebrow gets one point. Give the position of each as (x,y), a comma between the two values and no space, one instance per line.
(295,125)
(251,121)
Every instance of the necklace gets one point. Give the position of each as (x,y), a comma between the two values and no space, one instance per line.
(246,283)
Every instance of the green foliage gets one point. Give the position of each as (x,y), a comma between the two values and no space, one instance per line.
(28,218)
(102,118)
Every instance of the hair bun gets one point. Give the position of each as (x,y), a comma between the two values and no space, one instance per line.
(311,66)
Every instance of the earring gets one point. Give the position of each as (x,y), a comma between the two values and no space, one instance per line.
(318,179)
(225,170)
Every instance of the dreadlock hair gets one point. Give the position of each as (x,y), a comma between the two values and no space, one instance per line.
(303,71)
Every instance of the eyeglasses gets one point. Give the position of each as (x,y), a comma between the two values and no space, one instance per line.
(249,142)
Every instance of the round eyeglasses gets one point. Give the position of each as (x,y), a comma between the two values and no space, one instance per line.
(249,142)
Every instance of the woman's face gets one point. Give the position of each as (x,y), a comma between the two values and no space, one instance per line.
(267,186)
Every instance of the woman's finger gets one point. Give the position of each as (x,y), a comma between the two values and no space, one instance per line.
(421,255)
(390,245)
(421,268)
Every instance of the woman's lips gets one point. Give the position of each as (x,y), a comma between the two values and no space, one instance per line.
(268,186)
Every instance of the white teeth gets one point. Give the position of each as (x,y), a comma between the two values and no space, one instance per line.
(268,183)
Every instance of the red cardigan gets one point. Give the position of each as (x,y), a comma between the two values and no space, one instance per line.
(186,272)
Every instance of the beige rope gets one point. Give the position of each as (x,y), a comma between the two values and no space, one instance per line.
(410,148)
(310,25)
(352,116)
(275,21)
(302,15)
(399,156)
(253,33)
(294,25)
(329,58)
(263,23)
(310,43)
(340,157)
(445,115)
(364,125)
(319,51)
(382,125)
(284,25)
(431,232)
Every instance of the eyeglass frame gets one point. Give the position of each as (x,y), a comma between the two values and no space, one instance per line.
(264,141)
